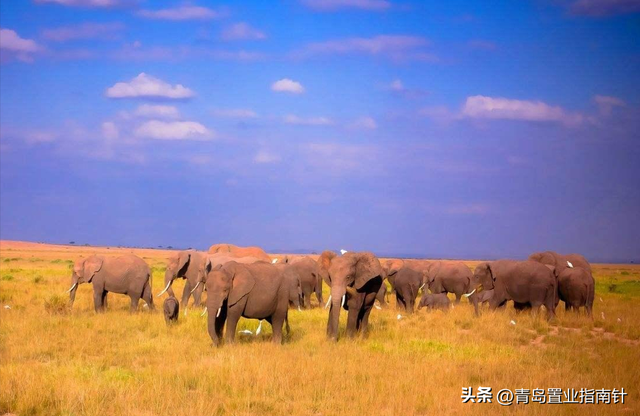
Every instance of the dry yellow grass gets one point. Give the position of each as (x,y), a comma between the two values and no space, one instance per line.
(59,362)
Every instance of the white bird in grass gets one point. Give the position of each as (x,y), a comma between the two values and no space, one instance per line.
(512,322)
(399,317)
(343,252)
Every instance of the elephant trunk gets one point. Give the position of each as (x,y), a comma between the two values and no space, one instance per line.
(72,290)
(337,301)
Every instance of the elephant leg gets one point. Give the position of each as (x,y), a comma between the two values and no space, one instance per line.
(135,299)
(363,321)
(186,294)
(97,300)
(319,294)
(306,298)
(352,322)
(276,325)
(104,300)
(232,324)
(458,297)
(567,307)
(147,296)
(197,295)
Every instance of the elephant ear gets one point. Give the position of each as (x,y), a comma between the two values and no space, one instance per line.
(92,265)
(324,263)
(552,268)
(183,259)
(368,267)
(242,284)
(393,266)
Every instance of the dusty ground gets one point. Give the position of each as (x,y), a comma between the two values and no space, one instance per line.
(55,361)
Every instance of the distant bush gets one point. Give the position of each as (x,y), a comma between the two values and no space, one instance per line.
(57,304)
(625,273)
(7,277)
(38,279)
(613,288)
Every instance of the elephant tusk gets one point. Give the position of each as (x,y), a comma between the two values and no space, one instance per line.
(204,311)
(194,289)
(328,302)
(377,307)
(344,297)
(420,288)
(259,328)
(165,288)
(466,295)
(274,261)
(72,287)
(218,314)
(185,311)
(299,310)
(351,291)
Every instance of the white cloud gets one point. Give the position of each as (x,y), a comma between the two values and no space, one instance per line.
(332,5)
(110,131)
(242,31)
(85,3)
(181,13)
(265,156)
(607,103)
(600,8)
(480,106)
(173,130)
(84,31)
(287,85)
(147,86)
(157,111)
(235,113)
(14,45)
(364,123)
(309,121)
(396,47)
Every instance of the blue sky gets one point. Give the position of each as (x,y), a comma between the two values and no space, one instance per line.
(464,129)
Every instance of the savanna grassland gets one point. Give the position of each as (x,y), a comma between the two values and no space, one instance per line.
(56,361)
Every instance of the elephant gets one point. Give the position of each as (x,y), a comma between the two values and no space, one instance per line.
(561,261)
(449,277)
(310,279)
(435,301)
(527,283)
(128,275)
(408,283)
(171,308)
(254,291)
(236,251)
(185,265)
(576,288)
(480,297)
(355,280)
(576,285)
(292,280)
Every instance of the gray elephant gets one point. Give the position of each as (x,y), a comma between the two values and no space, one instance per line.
(480,297)
(561,261)
(576,285)
(310,279)
(185,265)
(171,309)
(435,301)
(576,288)
(355,280)
(528,283)
(128,275)
(408,283)
(450,277)
(254,291)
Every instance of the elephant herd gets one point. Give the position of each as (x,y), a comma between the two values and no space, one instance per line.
(251,287)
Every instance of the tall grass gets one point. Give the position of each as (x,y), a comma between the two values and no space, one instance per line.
(57,362)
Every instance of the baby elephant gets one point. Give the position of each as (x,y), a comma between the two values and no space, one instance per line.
(437,301)
(171,308)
